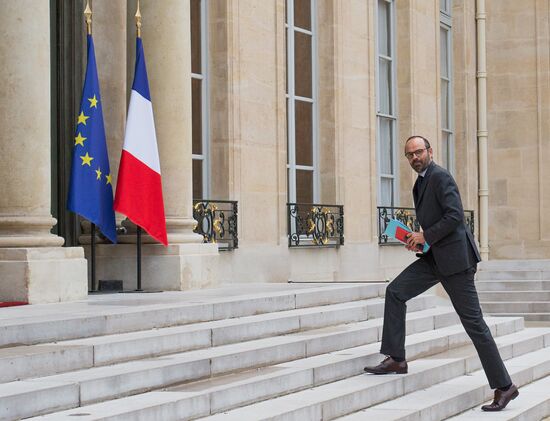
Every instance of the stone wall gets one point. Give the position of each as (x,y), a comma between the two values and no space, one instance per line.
(519,128)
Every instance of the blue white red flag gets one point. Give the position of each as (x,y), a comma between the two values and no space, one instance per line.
(139,185)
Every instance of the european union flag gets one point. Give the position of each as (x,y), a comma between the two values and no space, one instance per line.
(90,188)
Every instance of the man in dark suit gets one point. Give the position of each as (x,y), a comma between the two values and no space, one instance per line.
(452,260)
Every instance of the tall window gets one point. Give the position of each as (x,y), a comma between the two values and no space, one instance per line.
(385,101)
(446,55)
(301,101)
(199,95)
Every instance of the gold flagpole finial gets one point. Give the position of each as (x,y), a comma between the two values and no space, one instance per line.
(138,21)
(88,15)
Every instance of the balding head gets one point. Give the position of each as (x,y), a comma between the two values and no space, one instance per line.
(419,152)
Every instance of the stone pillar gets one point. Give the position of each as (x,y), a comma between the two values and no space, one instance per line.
(109,30)
(167,43)
(33,266)
(482,131)
(187,262)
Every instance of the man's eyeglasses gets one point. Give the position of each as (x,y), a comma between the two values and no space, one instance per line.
(418,153)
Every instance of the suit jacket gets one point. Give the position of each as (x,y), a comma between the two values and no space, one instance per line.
(440,213)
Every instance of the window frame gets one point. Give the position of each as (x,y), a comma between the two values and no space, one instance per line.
(445,24)
(393,116)
(291,98)
(205,104)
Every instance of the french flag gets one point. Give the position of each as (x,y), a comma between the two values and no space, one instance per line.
(139,186)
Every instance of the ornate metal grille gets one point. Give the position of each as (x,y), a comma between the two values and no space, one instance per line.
(217,222)
(315,225)
(408,217)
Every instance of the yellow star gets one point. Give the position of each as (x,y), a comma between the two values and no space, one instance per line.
(82,118)
(109,179)
(93,102)
(86,160)
(98,172)
(79,140)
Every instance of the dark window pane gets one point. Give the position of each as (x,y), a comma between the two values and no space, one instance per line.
(384,86)
(286,60)
(446,150)
(196,36)
(444,54)
(304,186)
(386,187)
(302,14)
(445,104)
(302,64)
(197,179)
(288,187)
(384,26)
(287,140)
(304,135)
(386,152)
(196,115)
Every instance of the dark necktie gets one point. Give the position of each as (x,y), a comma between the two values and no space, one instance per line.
(420,181)
(417,186)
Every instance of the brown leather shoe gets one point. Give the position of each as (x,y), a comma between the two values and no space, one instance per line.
(502,398)
(389,366)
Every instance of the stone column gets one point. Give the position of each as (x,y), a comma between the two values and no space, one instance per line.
(33,266)
(109,30)
(167,43)
(187,262)
(482,131)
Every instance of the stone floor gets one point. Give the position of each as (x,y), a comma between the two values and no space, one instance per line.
(98,302)
(255,352)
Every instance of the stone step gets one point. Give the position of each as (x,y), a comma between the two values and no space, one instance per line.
(513,286)
(453,396)
(532,404)
(492,307)
(507,296)
(46,359)
(530,317)
(513,275)
(531,264)
(343,397)
(222,393)
(124,313)
(109,382)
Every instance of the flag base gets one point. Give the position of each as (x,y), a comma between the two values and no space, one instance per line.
(43,274)
(140,291)
(178,267)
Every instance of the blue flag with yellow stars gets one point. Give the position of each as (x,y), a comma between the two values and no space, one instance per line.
(90,187)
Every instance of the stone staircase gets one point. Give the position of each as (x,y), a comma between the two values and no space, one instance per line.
(253,352)
(515,288)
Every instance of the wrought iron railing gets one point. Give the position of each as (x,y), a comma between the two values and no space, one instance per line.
(408,217)
(315,225)
(217,222)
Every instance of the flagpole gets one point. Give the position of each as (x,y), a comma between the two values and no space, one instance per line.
(88,18)
(138,33)
(138,21)
(94,286)
(139,259)
(150,196)
(88,15)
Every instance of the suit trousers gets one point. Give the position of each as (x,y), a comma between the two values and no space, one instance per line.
(417,278)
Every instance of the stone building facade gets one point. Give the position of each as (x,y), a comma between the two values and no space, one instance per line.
(267,103)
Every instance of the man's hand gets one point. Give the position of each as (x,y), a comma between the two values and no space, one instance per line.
(414,239)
